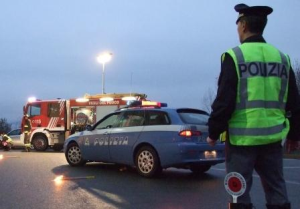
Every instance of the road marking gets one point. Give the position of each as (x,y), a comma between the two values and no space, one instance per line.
(292,167)
(257,176)
(286,181)
(223,169)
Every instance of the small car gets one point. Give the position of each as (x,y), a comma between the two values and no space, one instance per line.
(15,135)
(150,137)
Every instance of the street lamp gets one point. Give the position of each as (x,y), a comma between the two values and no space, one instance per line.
(104,58)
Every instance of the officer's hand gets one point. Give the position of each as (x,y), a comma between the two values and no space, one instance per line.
(211,142)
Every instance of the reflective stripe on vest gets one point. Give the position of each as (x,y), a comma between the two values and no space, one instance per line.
(259,116)
(257,131)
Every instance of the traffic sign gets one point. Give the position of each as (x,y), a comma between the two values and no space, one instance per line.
(235,185)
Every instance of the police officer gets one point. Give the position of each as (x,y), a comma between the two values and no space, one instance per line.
(256,89)
(27,130)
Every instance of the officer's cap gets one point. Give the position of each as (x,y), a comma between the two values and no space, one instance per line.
(244,11)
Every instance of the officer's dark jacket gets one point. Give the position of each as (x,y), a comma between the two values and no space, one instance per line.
(27,125)
(224,104)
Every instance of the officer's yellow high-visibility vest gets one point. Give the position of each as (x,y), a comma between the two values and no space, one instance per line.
(263,76)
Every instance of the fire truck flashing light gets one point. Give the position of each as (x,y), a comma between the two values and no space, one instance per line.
(106,99)
(82,100)
(32,99)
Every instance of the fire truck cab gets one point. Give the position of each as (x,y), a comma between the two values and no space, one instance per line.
(54,120)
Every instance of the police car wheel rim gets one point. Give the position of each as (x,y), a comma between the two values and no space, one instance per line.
(74,155)
(145,161)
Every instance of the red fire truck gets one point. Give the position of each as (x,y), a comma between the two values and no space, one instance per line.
(54,120)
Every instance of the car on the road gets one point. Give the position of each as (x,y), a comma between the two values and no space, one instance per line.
(15,135)
(149,137)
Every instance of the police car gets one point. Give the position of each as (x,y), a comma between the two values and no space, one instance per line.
(149,137)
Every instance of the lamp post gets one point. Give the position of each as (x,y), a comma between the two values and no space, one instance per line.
(104,58)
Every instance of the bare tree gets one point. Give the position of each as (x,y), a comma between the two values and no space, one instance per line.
(208,99)
(4,126)
(296,68)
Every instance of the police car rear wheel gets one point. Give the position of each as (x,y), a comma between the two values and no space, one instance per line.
(147,162)
(73,155)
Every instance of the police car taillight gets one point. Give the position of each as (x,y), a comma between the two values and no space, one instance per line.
(189,133)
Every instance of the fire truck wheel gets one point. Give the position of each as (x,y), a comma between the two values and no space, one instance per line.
(40,143)
(73,155)
(147,162)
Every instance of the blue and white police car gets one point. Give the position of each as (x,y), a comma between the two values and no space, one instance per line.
(149,137)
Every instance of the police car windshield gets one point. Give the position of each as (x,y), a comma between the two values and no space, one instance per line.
(193,116)
(107,122)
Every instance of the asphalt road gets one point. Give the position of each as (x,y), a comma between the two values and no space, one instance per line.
(27,181)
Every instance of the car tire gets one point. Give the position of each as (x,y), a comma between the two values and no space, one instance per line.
(74,156)
(147,162)
(40,143)
(199,169)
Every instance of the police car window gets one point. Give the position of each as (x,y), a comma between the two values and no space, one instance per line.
(131,118)
(190,116)
(157,118)
(108,122)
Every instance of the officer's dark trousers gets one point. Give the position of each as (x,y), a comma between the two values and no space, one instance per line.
(267,161)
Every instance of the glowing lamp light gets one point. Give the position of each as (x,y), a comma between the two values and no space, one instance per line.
(31,99)
(129,98)
(1,157)
(58,180)
(82,100)
(106,99)
(104,58)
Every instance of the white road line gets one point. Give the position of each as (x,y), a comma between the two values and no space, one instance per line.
(286,181)
(223,169)
(256,176)
(291,167)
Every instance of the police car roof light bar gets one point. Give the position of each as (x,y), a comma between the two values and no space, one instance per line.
(153,104)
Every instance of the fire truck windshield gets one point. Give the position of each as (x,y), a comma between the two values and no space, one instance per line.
(34,109)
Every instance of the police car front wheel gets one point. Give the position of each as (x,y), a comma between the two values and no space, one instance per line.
(147,162)
(74,156)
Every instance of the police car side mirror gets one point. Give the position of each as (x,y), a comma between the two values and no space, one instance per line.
(109,126)
(88,127)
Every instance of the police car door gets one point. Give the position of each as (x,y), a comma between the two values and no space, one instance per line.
(97,142)
(125,135)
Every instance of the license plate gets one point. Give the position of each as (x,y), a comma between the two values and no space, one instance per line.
(210,154)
